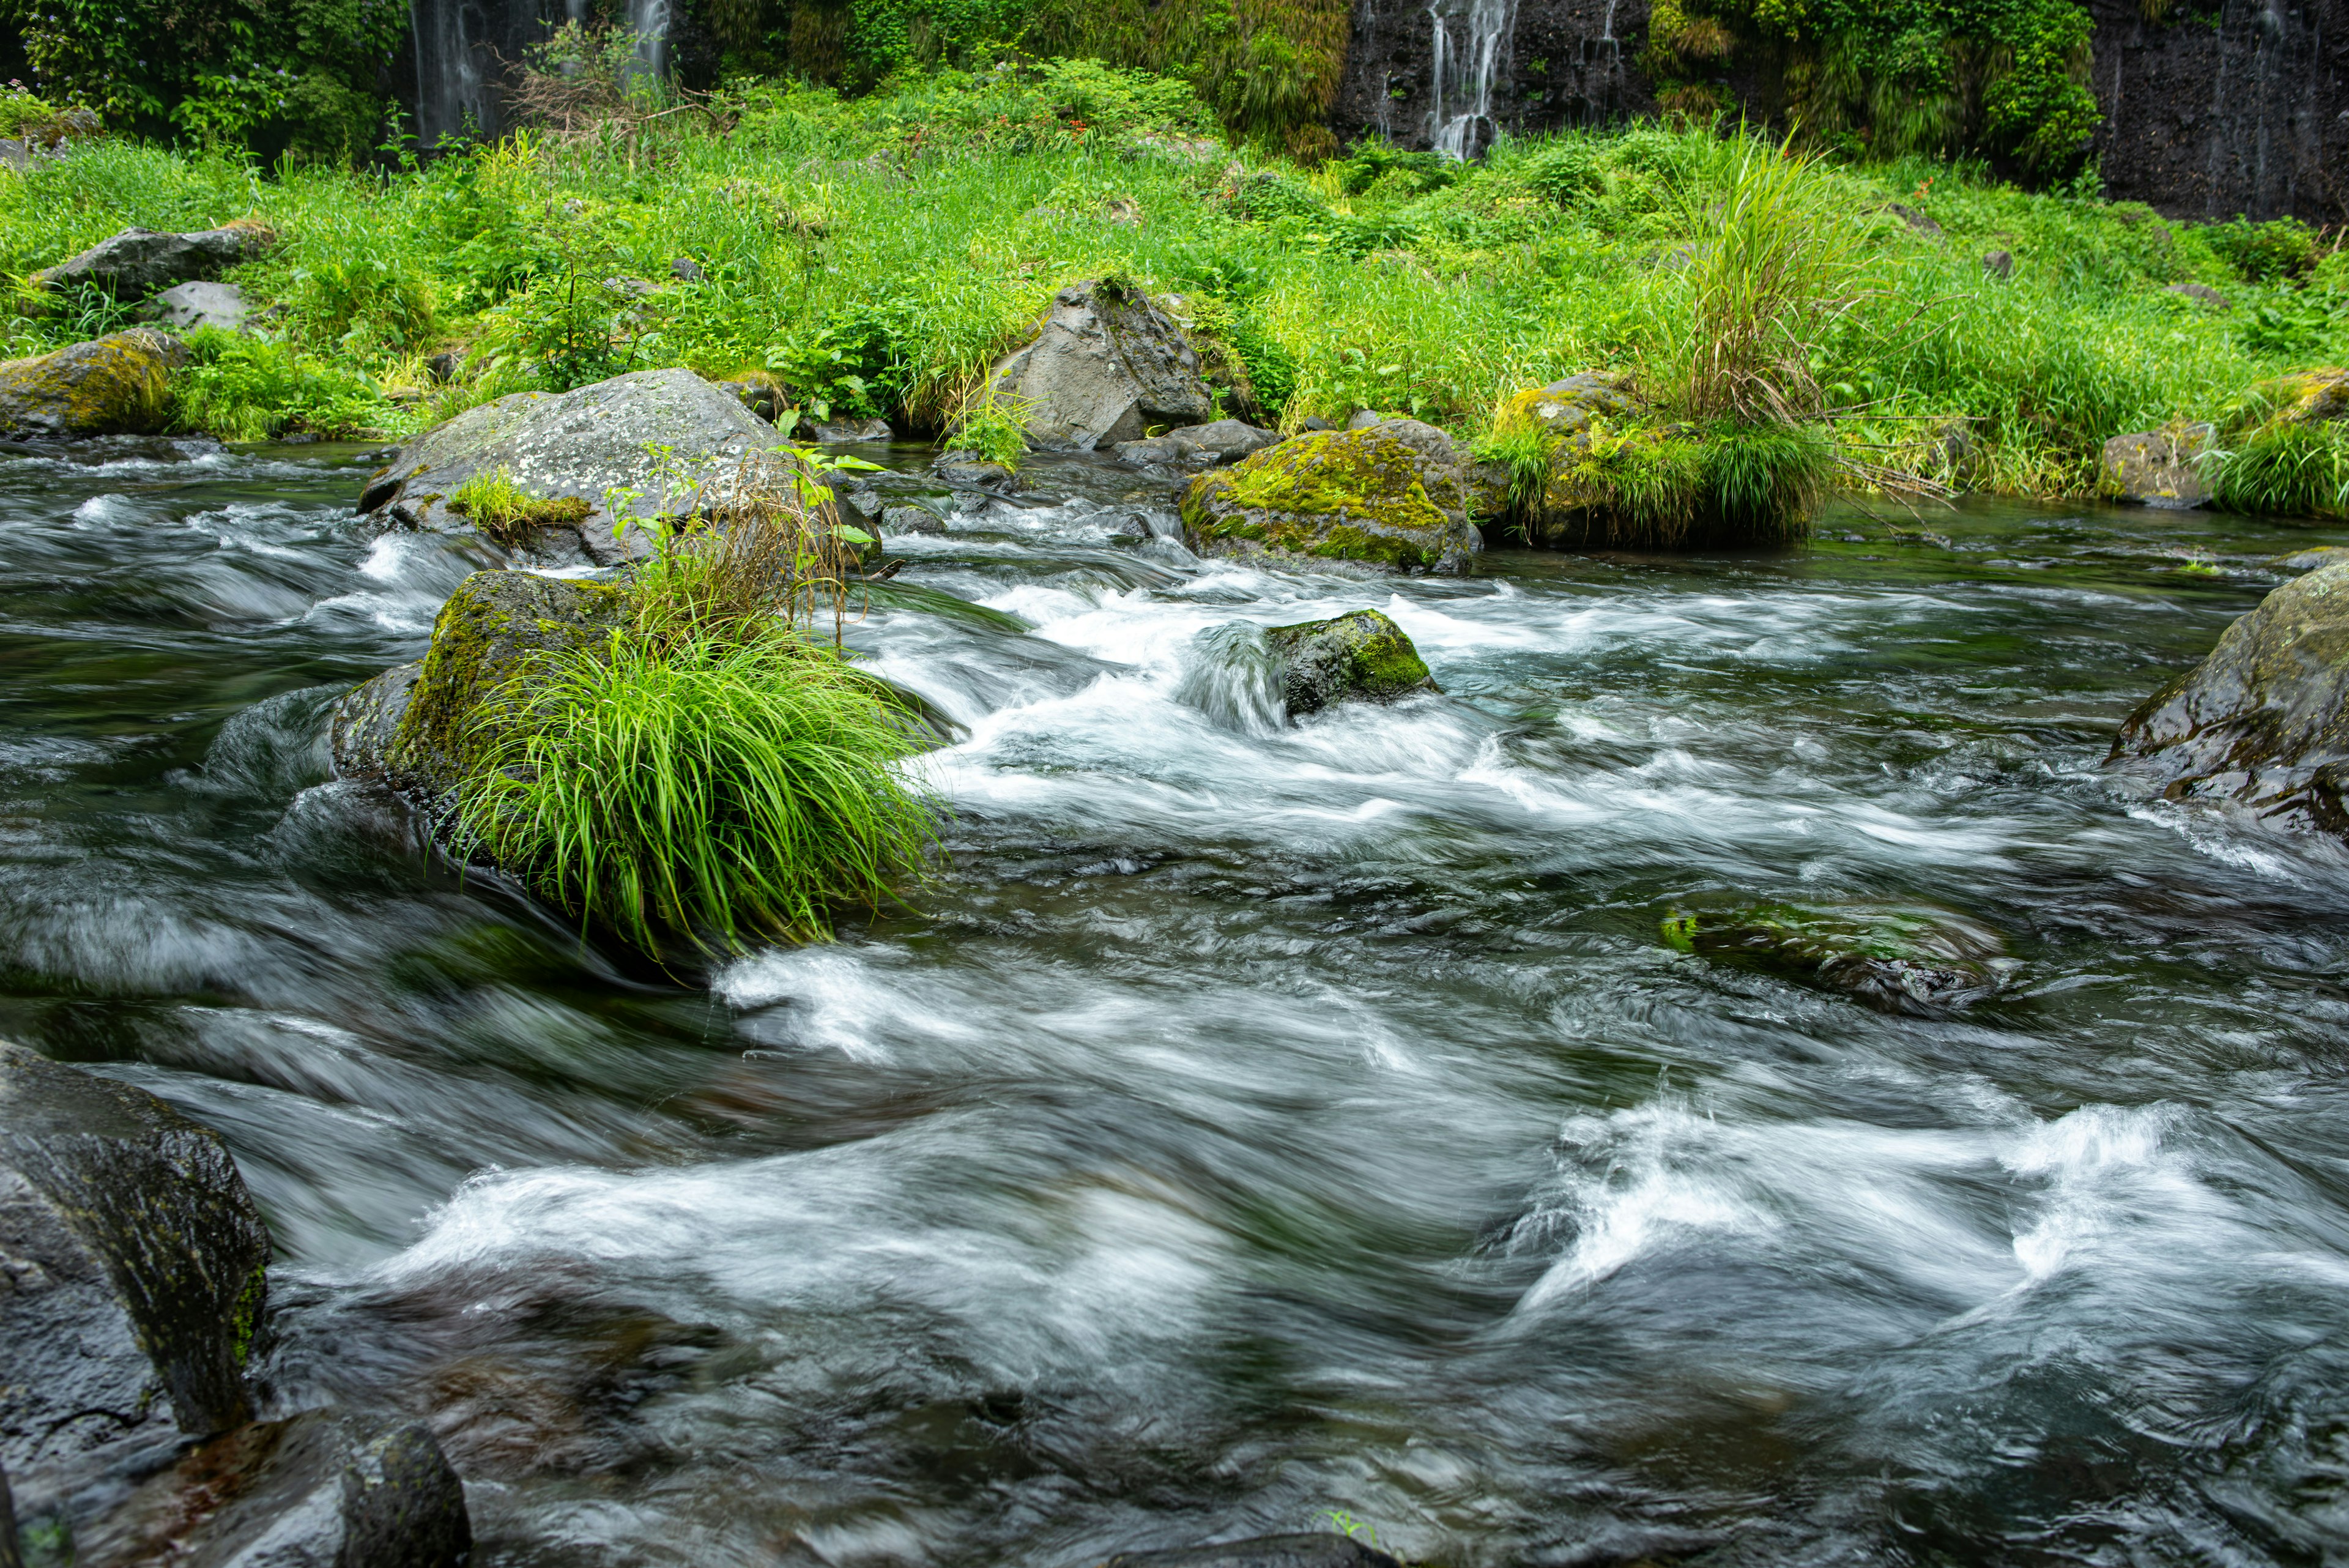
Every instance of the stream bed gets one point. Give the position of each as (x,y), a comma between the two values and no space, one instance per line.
(1256,1126)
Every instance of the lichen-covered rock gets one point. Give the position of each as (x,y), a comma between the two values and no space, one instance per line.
(1362,657)
(115,385)
(322,1489)
(184,307)
(649,444)
(1902,960)
(2156,468)
(139,262)
(2264,720)
(419,727)
(1567,406)
(1313,1550)
(1107,365)
(1388,495)
(130,1280)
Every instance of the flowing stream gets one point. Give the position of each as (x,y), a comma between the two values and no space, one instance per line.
(1257,1121)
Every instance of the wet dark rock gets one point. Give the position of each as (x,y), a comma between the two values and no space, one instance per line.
(1108,364)
(832,432)
(1904,960)
(133,1259)
(185,307)
(1362,657)
(595,443)
(1302,1550)
(446,366)
(115,385)
(322,1489)
(2202,293)
(420,727)
(911,519)
(1196,447)
(759,397)
(970,468)
(2310,560)
(139,262)
(2264,720)
(2156,468)
(1316,423)
(1999,264)
(1398,495)
(10,1557)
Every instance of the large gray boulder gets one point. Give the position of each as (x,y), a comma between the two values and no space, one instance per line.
(1310,1550)
(137,263)
(132,1282)
(2264,720)
(2156,468)
(1398,496)
(1362,657)
(115,385)
(322,1489)
(1107,366)
(648,444)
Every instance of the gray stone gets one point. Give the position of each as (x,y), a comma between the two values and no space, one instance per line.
(1318,1550)
(1363,419)
(1362,657)
(832,432)
(1918,223)
(1195,447)
(2264,720)
(759,397)
(322,1489)
(1107,365)
(2156,468)
(133,1259)
(595,443)
(115,385)
(2202,293)
(1911,959)
(15,155)
(139,262)
(685,269)
(1999,264)
(446,366)
(2310,560)
(10,1557)
(912,520)
(185,307)
(970,468)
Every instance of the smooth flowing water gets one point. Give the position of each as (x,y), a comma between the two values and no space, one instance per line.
(1257,1121)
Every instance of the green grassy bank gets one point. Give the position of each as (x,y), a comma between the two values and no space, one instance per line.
(872,255)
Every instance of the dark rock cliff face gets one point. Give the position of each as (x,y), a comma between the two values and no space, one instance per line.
(2251,115)
(1452,74)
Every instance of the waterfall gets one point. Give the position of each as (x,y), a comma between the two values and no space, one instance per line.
(649,21)
(463,48)
(1461,123)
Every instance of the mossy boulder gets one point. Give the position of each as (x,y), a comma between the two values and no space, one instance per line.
(1567,406)
(1382,496)
(131,1280)
(2158,468)
(2306,397)
(137,263)
(420,727)
(115,385)
(1358,657)
(2264,720)
(1897,959)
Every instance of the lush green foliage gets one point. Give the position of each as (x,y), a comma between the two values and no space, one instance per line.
(2293,470)
(245,388)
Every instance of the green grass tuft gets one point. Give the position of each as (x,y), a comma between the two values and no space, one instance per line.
(2289,469)
(504,511)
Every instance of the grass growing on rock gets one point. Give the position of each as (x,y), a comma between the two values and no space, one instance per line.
(505,512)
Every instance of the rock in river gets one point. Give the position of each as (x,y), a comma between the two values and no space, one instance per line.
(1107,365)
(1312,1549)
(1397,495)
(2264,720)
(137,263)
(1905,959)
(1362,657)
(132,1258)
(115,385)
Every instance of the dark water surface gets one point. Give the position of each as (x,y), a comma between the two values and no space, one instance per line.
(1256,1121)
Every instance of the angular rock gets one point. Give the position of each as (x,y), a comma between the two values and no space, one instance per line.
(1107,365)
(908,519)
(970,468)
(600,443)
(1317,1550)
(9,1555)
(1910,961)
(1999,264)
(139,262)
(1362,657)
(2155,468)
(115,385)
(1196,447)
(685,269)
(185,307)
(133,1261)
(2202,293)
(1374,496)
(835,432)
(2264,720)
(420,727)
(323,1489)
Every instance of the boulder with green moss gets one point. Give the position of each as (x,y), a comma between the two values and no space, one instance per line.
(115,385)
(1362,657)
(1398,496)
(2264,720)
(131,1280)
(1898,959)
(419,727)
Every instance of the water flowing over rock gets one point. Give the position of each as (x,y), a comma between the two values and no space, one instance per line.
(1303,1551)
(115,385)
(1905,959)
(1514,65)
(133,1256)
(2264,720)
(139,262)
(1397,495)
(1362,657)
(1107,365)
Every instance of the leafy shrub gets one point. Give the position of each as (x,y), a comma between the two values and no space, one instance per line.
(245,388)
(2284,247)
(994,424)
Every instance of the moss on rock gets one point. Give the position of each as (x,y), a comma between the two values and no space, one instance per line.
(1338,496)
(116,384)
(1898,959)
(1361,656)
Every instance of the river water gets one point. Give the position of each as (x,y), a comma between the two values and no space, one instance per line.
(1256,1123)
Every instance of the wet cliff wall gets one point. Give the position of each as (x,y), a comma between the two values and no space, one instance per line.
(1452,73)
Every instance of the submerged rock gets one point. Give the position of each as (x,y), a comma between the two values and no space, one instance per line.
(1107,365)
(1362,657)
(1396,494)
(115,385)
(133,1260)
(189,305)
(2156,468)
(139,262)
(2311,559)
(420,727)
(1895,960)
(2264,720)
(648,444)
(1316,1549)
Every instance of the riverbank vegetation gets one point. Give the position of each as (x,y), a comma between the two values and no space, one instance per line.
(871,256)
